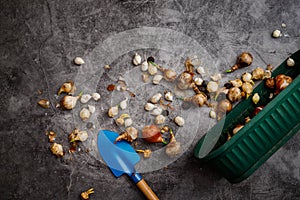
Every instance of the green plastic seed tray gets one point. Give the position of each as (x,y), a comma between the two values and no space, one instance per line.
(237,158)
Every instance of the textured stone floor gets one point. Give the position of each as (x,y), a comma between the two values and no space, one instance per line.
(38,41)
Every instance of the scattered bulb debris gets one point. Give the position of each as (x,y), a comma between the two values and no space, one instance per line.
(90,125)
(85,195)
(212,114)
(222,100)
(129,135)
(174,147)
(51,135)
(146,153)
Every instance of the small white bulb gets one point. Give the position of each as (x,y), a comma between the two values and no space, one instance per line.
(216,77)
(57,149)
(155,98)
(144,66)
(169,96)
(160,119)
(69,102)
(212,86)
(156,79)
(133,132)
(145,77)
(200,70)
(198,81)
(137,59)
(276,34)
(84,114)
(85,98)
(179,121)
(96,96)
(128,122)
(120,121)
(156,111)
(113,111)
(212,114)
(290,62)
(255,98)
(152,69)
(78,61)
(123,104)
(91,108)
(149,106)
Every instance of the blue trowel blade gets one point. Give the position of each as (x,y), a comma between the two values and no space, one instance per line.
(120,157)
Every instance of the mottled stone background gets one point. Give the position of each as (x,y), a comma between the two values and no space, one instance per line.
(38,41)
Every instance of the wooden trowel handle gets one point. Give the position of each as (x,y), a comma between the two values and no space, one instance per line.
(144,187)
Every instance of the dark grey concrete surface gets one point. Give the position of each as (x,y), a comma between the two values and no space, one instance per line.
(39,39)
